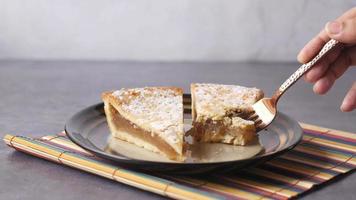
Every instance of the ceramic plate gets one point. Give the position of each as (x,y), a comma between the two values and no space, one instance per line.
(88,129)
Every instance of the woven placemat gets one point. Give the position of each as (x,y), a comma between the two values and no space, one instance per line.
(322,155)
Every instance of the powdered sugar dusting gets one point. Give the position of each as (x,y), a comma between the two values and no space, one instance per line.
(213,100)
(158,108)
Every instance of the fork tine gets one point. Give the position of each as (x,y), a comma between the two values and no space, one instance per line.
(260,126)
(253,117)
(257,122)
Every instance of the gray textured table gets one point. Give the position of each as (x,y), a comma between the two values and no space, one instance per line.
(38,97)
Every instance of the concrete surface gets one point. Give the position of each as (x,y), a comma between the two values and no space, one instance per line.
(38,96)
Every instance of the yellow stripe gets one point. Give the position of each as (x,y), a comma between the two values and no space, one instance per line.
(179,193)
(263,186)
(330,131)
(279,177)
(92,166)
(70,161)
(141,180)
(301,169)
(342,133)
(352,161)
(28,144)
(313,127)
(307,137)
(7,138)
(334,144)
(37,152)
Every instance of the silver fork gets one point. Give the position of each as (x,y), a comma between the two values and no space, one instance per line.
(265,110)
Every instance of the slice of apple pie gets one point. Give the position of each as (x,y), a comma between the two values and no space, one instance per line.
(150,117)
(218,113)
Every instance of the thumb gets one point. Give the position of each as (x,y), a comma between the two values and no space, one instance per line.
(344,32)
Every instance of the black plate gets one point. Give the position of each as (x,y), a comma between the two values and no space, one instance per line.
(88,129)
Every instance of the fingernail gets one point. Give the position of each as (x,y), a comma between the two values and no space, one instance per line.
(334,27)
(343,107)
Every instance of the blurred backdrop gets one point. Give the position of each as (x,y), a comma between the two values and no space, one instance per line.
(161,30)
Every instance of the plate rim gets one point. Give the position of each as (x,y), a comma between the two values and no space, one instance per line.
(127,160)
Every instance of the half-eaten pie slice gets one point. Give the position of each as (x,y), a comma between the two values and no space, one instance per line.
(150,117)
(218,113)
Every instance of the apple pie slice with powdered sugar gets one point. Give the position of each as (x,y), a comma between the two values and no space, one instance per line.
(218,113)
(150,117)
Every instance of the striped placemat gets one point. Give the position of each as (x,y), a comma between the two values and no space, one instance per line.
(322,155)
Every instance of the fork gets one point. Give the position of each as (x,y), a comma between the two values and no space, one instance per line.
(265,110)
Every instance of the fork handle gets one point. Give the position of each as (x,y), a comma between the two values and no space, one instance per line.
(302,69)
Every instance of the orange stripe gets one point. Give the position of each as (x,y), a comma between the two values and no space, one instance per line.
(180,193)
(263,186)
(282,178)
(231,191)
(315,163)
(300,169)
(219,188)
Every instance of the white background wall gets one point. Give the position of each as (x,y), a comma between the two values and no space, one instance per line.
(179,30)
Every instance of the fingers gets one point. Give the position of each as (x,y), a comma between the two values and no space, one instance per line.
(348,14)
(324,84)
(321,67)
(313,47)
(351,52)
(349,102)
(339,67)
(342,31)
(335,71)
(332,66)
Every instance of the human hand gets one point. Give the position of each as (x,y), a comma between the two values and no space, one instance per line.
(333,65)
